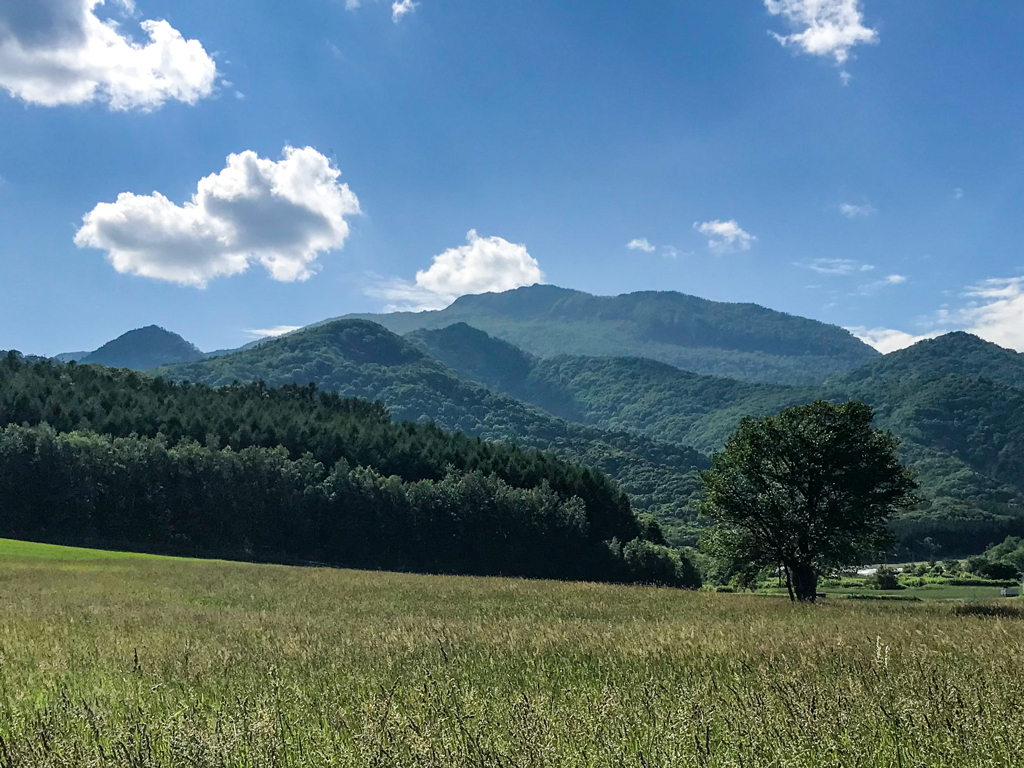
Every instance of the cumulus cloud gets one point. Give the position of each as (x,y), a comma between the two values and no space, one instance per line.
(60,52)
(641,244)
(482,265)
(400,8)
(887,340)
(277,330)
(996,312)
(852,211)
(823,27)
(835,266)
(280,214)
(725,236)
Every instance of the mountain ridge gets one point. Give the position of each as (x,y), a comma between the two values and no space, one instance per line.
(744,341)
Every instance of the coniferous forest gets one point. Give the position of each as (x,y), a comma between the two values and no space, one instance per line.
(94,455)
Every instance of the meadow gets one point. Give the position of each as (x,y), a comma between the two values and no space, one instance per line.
(114,660)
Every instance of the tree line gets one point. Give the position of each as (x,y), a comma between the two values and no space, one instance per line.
(295,474)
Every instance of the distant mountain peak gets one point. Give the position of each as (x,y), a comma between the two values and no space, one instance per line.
(145,348)
(744,341)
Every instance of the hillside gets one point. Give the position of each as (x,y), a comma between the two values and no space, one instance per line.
(142,349)
(962,433)
(621,393)
(89,454)
(741,341)
(958,353)
(357,358)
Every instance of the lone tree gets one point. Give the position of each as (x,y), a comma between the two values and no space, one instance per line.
(808,490)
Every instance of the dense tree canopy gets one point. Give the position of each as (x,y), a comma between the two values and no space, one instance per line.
(97,454)
(809,490)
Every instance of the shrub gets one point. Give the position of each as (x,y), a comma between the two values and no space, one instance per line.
(886,578)
(997,571)
(649,563)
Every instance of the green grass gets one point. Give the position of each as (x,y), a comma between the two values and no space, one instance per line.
(29,550)
(159,662)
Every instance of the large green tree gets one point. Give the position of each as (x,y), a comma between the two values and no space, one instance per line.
(809,490)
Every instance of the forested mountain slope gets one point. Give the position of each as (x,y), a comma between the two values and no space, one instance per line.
(964,434)
(742,341)
(622,393)
(142,349)
(357,358)
(953,353)
(88,453)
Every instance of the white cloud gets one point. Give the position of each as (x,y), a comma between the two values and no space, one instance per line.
(277,330)
(885,282)
(641,244)
(887,340)
(400,8)
(483,265)
(852,211)
(59,52)
(835,266)
(725,236)
(279,214)
(958,194)
(824,27)
(996,312)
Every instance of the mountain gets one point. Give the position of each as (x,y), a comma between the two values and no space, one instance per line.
(144,348)
(358,358)
(954,353)
(953,401)
(741,341)
(70,357)
(621,393)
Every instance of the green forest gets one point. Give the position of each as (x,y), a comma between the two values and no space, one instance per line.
(93,455)
(956,402)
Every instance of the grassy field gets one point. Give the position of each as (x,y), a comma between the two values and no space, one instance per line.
(131,661)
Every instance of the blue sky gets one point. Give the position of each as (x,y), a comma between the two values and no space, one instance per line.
(855,162)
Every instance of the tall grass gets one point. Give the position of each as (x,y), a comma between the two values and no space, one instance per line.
(143,662)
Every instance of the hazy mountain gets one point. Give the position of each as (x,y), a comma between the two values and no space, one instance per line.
(142,349)
(71,357)
(741,341)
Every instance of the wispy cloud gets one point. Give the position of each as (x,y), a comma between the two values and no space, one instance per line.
(853,211)
(958,194)
(823,27)
(277,330)
(835,266)
(886,282)
(994,311)
(641,244)
(725,236)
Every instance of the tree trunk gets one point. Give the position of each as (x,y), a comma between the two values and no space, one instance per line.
(805,583)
